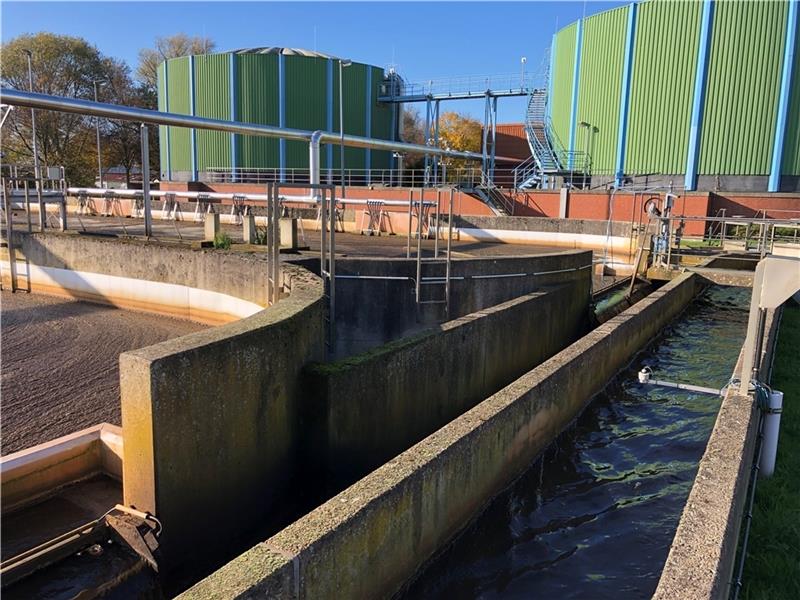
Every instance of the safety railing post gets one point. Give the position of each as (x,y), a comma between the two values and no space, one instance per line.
(148,217)
(42,207)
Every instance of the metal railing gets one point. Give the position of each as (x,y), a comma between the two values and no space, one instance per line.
(15,174)
(468,85)
(462,177)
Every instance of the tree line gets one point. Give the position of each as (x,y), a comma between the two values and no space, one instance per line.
(69,66)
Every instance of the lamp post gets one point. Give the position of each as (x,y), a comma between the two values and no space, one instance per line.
(588,127)
(97,131)
(33,119)
(522,61)
(343,62)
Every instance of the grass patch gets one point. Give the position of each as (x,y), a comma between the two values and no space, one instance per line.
(222,241)
(696,243)
(772,566)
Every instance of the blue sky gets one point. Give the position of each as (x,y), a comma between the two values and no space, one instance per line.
(424,40)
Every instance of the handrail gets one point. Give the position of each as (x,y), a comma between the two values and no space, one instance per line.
(143,115)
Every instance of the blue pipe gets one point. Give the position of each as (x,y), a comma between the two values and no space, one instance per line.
(282,113)
(192,109)
(329,117)
(167,129)
(368,129)
(234,116)
(575,80)
(703,50)
(784,99)
(624,104)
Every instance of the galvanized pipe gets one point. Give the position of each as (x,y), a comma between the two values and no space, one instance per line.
(129,113)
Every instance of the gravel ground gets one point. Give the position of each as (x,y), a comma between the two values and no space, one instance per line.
(59,367)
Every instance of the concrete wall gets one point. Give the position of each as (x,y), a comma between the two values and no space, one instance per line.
(617,238)
(210,422)
(701,559)
(368,540)
(371,312)
(369,408)
(162,278)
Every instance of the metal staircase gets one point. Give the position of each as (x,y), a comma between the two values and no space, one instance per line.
(548,156)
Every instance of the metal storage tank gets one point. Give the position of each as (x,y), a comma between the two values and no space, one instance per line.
(705,93)
(271,86)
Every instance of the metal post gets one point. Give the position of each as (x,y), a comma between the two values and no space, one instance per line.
(428,113)
(494,138)
(269,241)
(410,204)
(485,135)
(276,245)
(12,259)
(436,142)
(419,242)
(148,218)
(332,271)
(97,132)
(449,240)
(28,205)
(436,221)
(33,119)
(323,235)
(63,205)
(42,207)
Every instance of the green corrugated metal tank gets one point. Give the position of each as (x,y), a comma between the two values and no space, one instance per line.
(739,96)
(272,86)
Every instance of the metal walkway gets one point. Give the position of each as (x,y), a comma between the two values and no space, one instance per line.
(459,88)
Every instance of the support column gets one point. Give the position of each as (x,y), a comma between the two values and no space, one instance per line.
(193,112)
(234,117)
(693,154)
(624,103)
(784,99)
(282,114)
(329,118)
(494,138)
(167,129)
(484,147)
(428,115)
(368,128)
(436,141)
(576,74)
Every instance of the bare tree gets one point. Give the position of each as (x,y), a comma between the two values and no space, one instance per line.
(168,47)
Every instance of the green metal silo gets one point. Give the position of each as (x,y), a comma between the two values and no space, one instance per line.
(705,93)
(272,86)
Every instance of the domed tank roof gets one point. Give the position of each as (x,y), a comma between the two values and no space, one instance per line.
(285,51)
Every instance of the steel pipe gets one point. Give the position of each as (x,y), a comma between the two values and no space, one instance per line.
(142,115)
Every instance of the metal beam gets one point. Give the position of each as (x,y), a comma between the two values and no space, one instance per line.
(703,50)
(142,115)
(455,96)
(784,98)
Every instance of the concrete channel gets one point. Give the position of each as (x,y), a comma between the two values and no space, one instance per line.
(267,454)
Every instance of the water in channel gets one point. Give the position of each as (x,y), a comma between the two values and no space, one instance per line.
(595,516)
